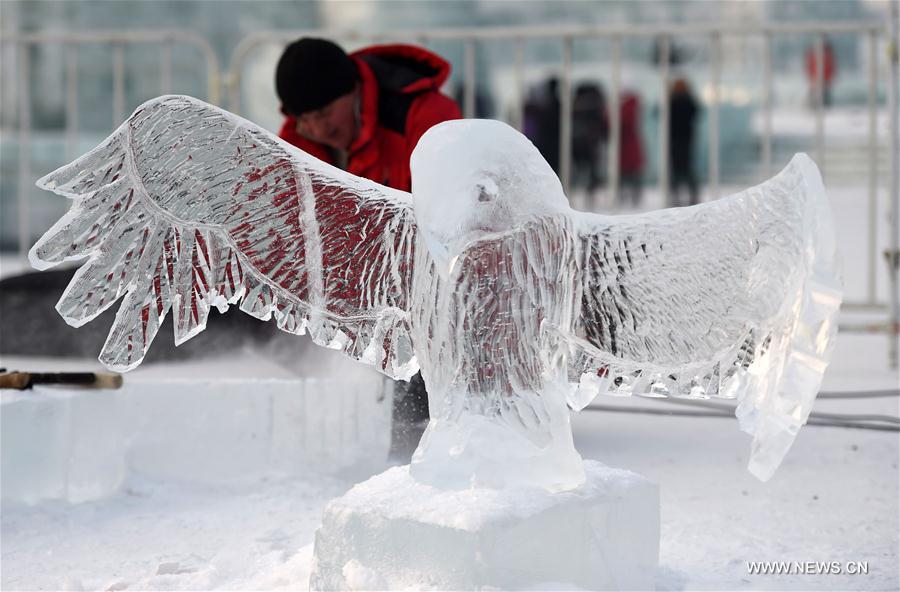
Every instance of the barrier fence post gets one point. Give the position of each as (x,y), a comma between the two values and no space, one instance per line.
(469,79)
(715,76)
(24,182)
(615,122)
(767,106)
(894,249)
(872,226)
(519,69)
(118,69)
(71,101)
(664,52)
(565,116)
(819,98)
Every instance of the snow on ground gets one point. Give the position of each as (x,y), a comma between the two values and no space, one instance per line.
(202,475)
(834,499)
(842,122)
(157,536)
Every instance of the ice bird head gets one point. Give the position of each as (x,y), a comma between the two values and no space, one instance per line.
(473,178)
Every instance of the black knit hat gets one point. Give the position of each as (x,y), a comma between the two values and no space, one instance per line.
(311,73)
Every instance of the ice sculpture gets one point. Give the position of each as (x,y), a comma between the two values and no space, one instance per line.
(512,304)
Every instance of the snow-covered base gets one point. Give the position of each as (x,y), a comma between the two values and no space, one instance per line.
(392,532)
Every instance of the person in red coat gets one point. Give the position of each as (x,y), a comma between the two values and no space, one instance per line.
(631,150)
(829,71)
(365,111)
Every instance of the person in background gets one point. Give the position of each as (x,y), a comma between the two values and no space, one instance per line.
(484,104)
(589,133)
(531,114)
(829,71)
(631,150)
(364,113)
(547,138)
(683,111)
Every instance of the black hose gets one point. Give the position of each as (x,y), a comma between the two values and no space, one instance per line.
(859,394)
(861,421)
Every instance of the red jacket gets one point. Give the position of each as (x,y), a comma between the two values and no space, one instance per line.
(631,152)
(399,101)
(828,65)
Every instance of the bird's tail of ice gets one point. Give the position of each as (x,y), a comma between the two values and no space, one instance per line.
(774,411)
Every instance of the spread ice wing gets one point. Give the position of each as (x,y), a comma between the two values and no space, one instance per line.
(735,298)
(187,206)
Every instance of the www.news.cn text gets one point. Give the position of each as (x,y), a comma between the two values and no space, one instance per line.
(786,568)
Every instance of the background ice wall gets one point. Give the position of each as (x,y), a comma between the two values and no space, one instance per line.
(198,422)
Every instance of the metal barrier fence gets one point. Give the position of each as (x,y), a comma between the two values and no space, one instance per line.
(663,35)
(470,38)
(117,42)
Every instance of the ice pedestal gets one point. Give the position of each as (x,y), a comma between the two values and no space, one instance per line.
(392,532)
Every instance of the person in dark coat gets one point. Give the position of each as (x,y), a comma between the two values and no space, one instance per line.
(589,133)
(547,140)
(365,112)
(683,111)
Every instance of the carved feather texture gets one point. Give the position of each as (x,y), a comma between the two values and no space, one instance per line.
(187,206)
(737,298)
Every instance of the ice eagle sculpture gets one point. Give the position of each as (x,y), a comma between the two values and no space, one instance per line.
(513,305)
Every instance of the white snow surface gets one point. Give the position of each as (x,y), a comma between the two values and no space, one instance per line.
(843,123)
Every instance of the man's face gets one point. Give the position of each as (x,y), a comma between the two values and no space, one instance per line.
(334,125)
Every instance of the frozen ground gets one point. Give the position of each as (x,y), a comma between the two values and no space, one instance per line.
(835,498)
(206,521)
(204,475)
